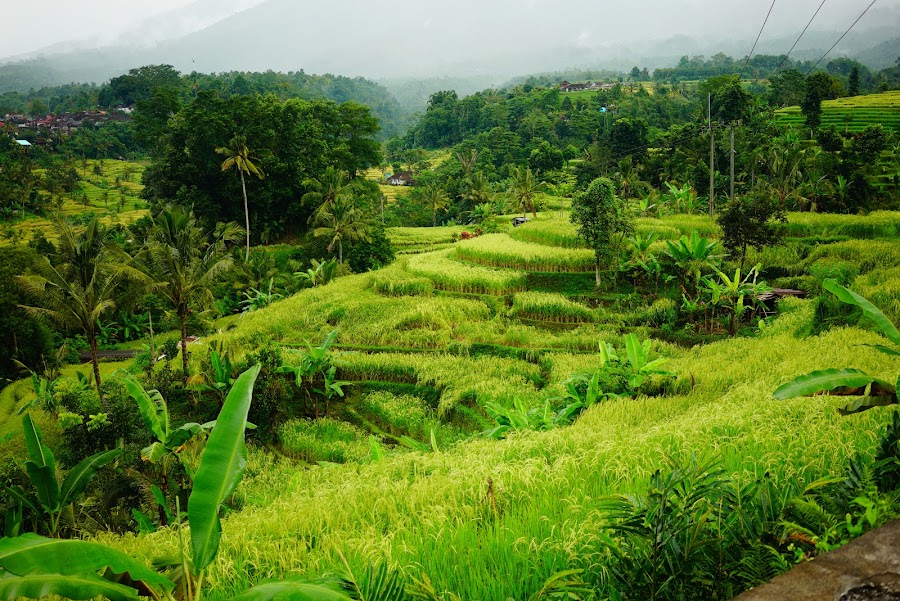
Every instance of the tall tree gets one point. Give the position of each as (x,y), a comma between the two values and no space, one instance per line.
(83,283)
(239,157)
(750,221)
(853,82)
(819,87)
(325,190)
(524,189)
(436,199)
(343,221)
(603,220)
(184,262)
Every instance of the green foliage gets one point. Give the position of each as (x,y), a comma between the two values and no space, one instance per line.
(692,256)
(750,221)
(323,439)
(221,468)
(873,391)
(53,494)
(603,221)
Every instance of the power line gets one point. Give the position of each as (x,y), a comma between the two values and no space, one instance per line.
(797,41)
(759,35)
(841,38)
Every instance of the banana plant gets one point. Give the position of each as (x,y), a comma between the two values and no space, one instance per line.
(320,274)
(873,391)
(733,292)
(217,381)
(52,493)
(155,413)
(331,387)
(314,363)
(638,354)
(37,567)
(692,256)
(43,388)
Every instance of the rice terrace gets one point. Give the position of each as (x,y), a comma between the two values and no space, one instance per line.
(597,334)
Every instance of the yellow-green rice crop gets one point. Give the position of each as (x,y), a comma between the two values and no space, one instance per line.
(865,254)
(479,380)
(879,224)
(452,275)
(548,306)
(429,513)
(323,439)
(549,232)
(499,250)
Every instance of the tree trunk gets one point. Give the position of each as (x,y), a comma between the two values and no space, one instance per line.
(434,217)
(182,317)
(341,252)
(246,216)
(95,362)
(597,272)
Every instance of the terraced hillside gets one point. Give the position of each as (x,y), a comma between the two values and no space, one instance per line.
(430,346)
(107,188)
(853,114)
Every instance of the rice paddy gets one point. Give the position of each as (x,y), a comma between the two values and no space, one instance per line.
(853,114)
(398,474)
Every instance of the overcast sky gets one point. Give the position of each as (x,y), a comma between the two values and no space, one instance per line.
(582,23)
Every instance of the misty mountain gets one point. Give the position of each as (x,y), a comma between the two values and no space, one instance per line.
(478,43)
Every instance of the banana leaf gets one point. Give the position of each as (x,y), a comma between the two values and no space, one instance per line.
(38,452)
(221,469)
(296,590)
(77,479)
(151,405)
(838,382)
(76,586)
(32,554)
(871,311)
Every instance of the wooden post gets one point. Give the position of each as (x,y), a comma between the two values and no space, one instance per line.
(712,160)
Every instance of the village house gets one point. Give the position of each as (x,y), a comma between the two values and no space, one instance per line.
(402,178)
(565,86)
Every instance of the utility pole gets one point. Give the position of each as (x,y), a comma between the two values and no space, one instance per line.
(712,159)
(731,197)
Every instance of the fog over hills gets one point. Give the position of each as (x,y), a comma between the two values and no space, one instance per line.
(496,39)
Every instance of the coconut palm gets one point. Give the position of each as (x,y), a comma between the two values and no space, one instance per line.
(436,199)
(524,189)
(83,283)
(240,157)
(342,221)
(185,261)
(325,191)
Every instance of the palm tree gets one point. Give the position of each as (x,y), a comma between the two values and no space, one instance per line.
(342,221)
(185,262)
(467,160)
(240,157)
(82,285)
(478,190)
(524,189)
(325,191)
(436,199)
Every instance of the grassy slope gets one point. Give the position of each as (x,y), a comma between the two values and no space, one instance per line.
(853,114)
(94,186)
(429,513)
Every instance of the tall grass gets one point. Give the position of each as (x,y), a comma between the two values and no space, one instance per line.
(476,380)
(548,306)
(879,224)
(499,250)
(323,439)
(458,277)
(431,514)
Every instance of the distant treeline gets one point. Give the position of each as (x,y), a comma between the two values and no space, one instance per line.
(764,66)
(140,84)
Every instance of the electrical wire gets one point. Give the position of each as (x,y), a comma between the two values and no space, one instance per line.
(840,38)
(759,35)
(797,41)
